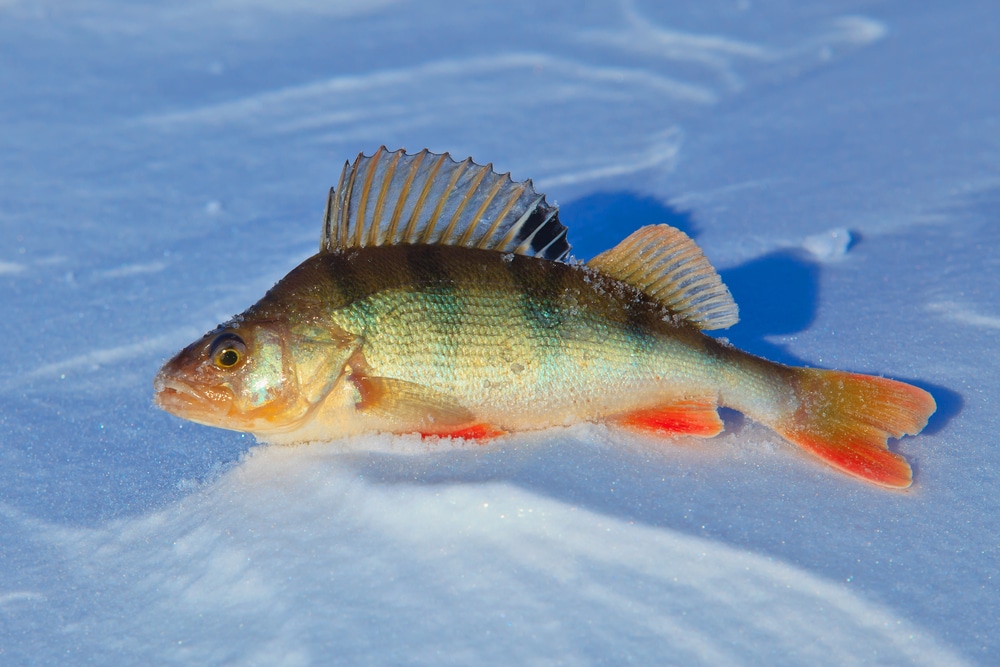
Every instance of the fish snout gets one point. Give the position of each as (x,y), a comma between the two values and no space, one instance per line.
(185,391)
(175,395)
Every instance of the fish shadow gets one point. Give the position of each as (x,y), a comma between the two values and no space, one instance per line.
(776,293)
(777,296)
(601,220)
(949,404)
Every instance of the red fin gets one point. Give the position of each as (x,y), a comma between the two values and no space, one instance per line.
(687,417)
(467,432)
(846,419)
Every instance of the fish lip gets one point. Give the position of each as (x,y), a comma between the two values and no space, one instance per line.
(174,401)
(177,397)
(169,386)
(209,405)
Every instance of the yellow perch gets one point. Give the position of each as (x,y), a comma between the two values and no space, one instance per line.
(442,302)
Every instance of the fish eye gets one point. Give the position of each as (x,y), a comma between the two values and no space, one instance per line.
(227,358)
(228,350)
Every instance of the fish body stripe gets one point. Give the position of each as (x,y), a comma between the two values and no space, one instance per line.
(454,314)
(496,331)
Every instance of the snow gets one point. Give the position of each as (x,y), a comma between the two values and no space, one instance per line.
(161,165)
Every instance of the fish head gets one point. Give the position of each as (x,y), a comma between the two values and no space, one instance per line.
(253,376)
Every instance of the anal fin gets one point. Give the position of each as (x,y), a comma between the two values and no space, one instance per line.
(691,416)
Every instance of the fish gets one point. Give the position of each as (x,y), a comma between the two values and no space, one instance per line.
(444,301)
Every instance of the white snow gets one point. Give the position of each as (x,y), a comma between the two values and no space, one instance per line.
(161,165)
(830,245)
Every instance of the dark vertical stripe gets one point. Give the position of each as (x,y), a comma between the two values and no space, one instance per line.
(430,273)
(625,308)
(540,285)
(428,268)
(340,270)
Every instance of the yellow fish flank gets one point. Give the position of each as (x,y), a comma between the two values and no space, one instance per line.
(443,302)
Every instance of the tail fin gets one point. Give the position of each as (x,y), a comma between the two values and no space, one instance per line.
(846,418)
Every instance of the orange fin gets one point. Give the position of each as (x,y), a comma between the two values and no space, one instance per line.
(697,417)
(666,265)
(846,419)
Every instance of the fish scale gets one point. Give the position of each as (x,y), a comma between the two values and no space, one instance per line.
(443,302)
(450,337)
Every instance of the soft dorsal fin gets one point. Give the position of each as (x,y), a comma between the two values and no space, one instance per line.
(394,198)
(665,264)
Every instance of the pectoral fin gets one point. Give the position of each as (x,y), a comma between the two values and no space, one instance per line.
(408,407)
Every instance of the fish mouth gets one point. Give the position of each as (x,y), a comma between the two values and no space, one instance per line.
(183,400)
(172,394)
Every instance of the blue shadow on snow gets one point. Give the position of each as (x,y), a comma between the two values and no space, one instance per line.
(776,293)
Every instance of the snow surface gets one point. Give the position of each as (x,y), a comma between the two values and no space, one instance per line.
(162,164)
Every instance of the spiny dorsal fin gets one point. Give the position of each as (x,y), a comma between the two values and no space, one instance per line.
(394,198)
(665,264)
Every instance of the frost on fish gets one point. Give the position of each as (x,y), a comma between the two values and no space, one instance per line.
(442,302)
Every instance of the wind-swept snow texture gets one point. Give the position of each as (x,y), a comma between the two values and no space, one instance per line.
(162,164)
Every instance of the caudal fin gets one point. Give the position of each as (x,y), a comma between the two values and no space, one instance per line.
(846,418)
